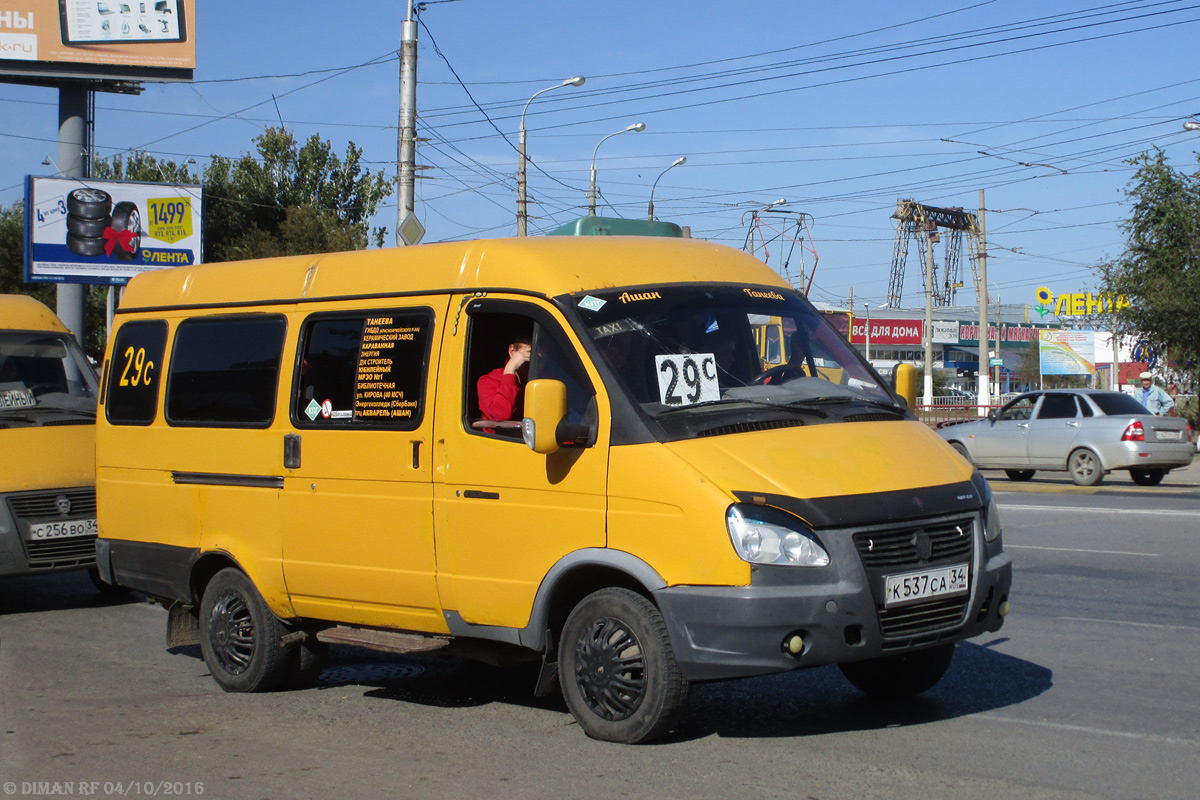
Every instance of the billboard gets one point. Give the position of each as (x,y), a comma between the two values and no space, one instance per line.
(85,231)
(97,39)
(1067,352)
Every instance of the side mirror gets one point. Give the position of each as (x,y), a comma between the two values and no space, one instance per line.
(906,383)
(992,415)
(545,408)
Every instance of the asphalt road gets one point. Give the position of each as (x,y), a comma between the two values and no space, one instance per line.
(1090,690)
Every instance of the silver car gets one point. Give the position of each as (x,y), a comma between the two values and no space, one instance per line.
(1083,431)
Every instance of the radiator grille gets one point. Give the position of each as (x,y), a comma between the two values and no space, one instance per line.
(947,541)
(78,551)
(37,505)
(922,617)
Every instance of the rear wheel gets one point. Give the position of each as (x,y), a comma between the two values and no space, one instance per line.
(1147,477)
(618,672)
(901,675)
(240,636)
(1019,474)
(1085,468)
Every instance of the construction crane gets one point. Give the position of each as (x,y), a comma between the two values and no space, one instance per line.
(922,222)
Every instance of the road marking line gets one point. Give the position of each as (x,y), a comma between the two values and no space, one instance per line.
(1068,510)
(1145,737)
(1135,624)
(1008,546)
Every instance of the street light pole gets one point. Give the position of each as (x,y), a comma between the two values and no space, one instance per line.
(867,308)
(522,216)
(984,397)
(636,127)
(406,169)
(677,162)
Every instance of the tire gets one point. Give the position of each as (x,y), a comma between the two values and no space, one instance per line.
(87,228)
(88,203)
(83,246)
(239,636)
(307,659)
(902,675)
(619,675)
(961,449)
(1085,468)
(1019,475)
(1147,477)
(126,217)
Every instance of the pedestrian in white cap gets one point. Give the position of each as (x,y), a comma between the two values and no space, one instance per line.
(1153,397)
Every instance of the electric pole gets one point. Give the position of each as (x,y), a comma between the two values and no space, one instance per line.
(984,398)
(406,230)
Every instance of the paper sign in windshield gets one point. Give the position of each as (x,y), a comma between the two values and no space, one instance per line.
(686,379)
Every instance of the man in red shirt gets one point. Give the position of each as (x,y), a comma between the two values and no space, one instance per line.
(500,391)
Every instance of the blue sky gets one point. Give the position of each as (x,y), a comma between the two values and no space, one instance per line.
(841,108)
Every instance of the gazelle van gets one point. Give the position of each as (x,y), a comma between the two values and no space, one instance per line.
(291,452)
(47,443)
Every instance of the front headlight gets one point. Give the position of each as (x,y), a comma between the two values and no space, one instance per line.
(763,535)
(991,526)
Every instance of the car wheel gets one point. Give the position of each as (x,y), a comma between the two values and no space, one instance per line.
(87,203)
(87,228)
(1147,477)
(84,246)
(1085,469)
(240,636)
(126,217)
(901,675)
(961,449)
(619,675)
(1019,474)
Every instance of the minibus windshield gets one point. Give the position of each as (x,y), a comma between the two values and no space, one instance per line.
(682,348)
(41,372)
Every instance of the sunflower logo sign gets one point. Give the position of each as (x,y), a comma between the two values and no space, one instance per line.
(1078,304)
(108,231)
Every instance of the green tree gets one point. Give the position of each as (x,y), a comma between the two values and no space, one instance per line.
(249,201)
(1159,271)
(12,257)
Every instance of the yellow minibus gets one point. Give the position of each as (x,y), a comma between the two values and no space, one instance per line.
(562,449)
(47,438)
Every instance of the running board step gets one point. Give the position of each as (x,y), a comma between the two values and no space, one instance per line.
(388,641)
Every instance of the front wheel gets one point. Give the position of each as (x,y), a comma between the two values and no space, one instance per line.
(901,675)
(1019,474)
(240,636)
(1085,468)
(1147,477)
(619,675)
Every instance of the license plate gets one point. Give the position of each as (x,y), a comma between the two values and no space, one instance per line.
(62,530)
(1169,436)
(912,587)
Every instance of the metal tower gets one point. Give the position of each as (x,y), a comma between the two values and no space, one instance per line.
(921,222)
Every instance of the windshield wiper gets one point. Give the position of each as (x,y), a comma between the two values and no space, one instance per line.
(690,406)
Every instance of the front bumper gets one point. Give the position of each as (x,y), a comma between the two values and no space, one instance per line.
(21,554)
(740,631)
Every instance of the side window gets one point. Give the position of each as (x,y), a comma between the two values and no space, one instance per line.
(1085,408)
(135,373)
(225,371)
(1057,406)
(493,401)
(365,369)
(1019,409)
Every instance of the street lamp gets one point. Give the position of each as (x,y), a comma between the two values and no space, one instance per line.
(636,127)
(677,162)
(522,217)
(1191,125)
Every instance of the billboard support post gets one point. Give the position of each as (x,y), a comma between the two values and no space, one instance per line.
(74,122)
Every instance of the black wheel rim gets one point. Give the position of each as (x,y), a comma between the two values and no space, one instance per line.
(231,633)
(610,669)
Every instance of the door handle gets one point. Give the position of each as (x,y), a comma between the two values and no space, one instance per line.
(1072,424)
(291,451)
(1022,424)
(475,494)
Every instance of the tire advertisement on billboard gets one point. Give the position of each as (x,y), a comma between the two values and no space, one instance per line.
(85,231)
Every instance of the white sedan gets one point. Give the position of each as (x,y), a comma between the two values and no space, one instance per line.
(1084,432)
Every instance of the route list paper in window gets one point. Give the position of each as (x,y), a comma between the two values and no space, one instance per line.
(390,366)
